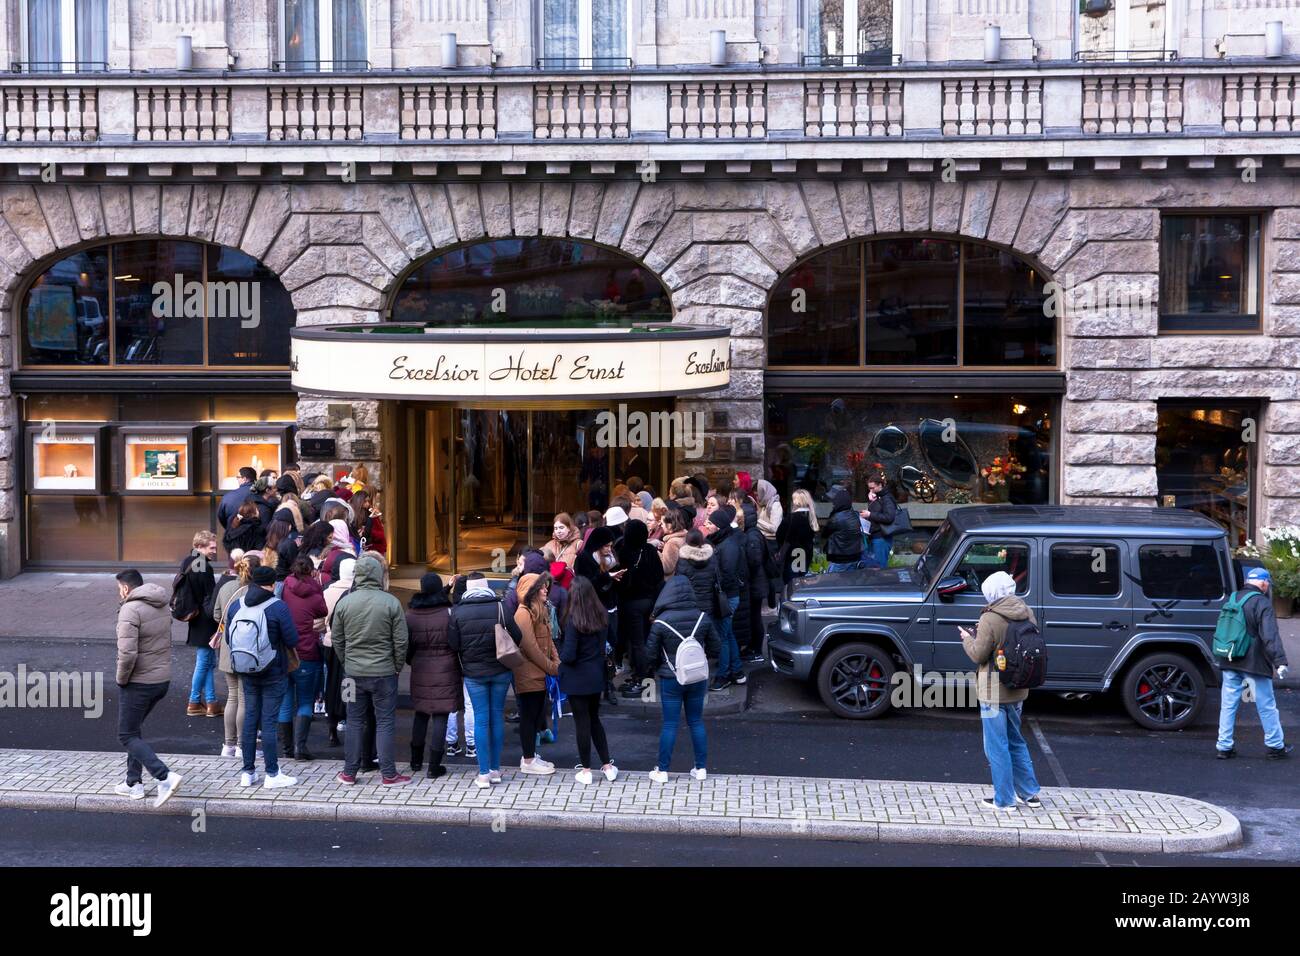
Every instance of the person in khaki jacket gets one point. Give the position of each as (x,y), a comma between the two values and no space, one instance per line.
(1000,707)
(144,672)
(541,660)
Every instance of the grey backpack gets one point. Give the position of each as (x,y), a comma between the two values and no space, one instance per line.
(692,663)
(251,650)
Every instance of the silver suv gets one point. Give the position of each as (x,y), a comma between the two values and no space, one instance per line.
(1126,598)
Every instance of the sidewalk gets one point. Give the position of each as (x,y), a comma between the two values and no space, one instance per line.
(745,806)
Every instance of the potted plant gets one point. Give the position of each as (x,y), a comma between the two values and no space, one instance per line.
(1280,554)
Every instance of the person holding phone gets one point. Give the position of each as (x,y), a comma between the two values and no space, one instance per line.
(1000,706)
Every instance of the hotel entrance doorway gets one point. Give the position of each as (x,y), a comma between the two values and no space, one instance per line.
(473,485)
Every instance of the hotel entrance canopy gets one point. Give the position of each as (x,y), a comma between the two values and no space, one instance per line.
(501,361)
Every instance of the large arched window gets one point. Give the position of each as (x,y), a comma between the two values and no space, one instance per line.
(531,282)
(912,302)
(156,302)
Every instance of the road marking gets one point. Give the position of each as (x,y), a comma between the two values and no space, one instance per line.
(1057,770)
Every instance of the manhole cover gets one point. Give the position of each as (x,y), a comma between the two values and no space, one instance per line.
(1098,822)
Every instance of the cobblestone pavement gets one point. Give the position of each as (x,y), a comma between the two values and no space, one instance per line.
(722,805)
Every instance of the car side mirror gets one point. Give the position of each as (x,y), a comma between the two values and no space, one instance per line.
(949,588)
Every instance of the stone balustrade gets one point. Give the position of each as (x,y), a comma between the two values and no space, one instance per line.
(993,107)
(582,110)
(1130,105)
(449,111)
(182,113)
(859,108)
(774,108)
(1261,103)
(703,110)
(315,113)
(50,114)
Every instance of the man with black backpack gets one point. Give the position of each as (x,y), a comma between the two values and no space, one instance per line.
(1006,620)
(1249,650)
(259,631)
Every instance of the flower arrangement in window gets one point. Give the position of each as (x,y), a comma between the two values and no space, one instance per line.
(1001,470)
(813,447)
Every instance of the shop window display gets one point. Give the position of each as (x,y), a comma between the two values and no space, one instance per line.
(944,451)
(1204,462)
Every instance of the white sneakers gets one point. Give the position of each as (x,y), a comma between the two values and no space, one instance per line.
(229,750)
(135,790)
(611,772)
(483,781)
(495,775)
(536,766)
(275,782)
(583,777)
(661,776)
(167,788)
(247,779)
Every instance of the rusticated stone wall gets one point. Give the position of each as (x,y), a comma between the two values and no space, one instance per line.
(720,245)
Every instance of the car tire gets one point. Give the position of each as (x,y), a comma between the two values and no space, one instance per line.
(855,681)
(1174,707)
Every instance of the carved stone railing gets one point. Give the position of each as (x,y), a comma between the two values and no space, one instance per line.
(853,108)
(449,111)
(54,114)
(1132,104)
(726,110)
(182,113)
(1261,103)
(993,107)
(315,113)
(576,110)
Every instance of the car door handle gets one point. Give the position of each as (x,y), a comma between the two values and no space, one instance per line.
(1116,626)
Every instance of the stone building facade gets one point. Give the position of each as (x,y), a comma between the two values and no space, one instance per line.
(717,180)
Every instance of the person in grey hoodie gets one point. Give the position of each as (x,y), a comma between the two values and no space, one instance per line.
(144,672)
(1008,754)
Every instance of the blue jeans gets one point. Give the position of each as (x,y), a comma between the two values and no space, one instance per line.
(673,695)
(833,566)
(262,698)
(877,553)
(203,688)
(488,695)
(1013,771)
(1265,703)
(729,657)
(304,684)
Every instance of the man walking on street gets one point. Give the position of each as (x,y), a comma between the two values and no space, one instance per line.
(368,630)
(144,671)
(1263,656)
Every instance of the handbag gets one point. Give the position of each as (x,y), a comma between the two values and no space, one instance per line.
(720,601)
(508,654)
(902,523)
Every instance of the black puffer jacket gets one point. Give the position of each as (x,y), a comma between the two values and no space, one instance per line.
(472,634)
(882,513)
(755,554)
(733,570)
(697,566)
(435,672)
(676,607)
(843,530)
(645,572)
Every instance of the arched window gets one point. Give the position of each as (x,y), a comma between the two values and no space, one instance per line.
(530,282)
(912,302)
(156,302)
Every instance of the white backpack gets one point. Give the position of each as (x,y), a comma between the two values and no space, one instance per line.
(251,651)
(692,665)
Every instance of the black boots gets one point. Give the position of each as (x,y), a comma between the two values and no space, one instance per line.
(417,757)
(436,751)
(286,740)
(301,728)
(334,733)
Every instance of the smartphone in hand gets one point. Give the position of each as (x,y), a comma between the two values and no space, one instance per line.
(965,632)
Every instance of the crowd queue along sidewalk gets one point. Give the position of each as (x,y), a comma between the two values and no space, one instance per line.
(660,591)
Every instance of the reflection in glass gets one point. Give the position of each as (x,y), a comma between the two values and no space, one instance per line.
(560,31)
(1005,322)
(1108,33)
(947,452)
(911,315)
(65,318)
(162,527)
(812,318)
(889,442)
(301,34)
(545,281)
(251,313)
(561,441)
(172,332)
(492,485)
(79,529)
(1209,273)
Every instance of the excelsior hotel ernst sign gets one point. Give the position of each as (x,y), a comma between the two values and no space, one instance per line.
(524,364)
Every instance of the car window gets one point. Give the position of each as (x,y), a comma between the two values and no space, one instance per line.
(1190,571)
(1085,569)
(984,558)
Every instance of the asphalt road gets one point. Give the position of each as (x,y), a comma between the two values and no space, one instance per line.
(785,732)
